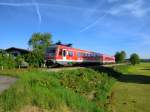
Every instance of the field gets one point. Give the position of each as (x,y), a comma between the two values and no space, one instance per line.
(132,90)
(81,90)
(122,88)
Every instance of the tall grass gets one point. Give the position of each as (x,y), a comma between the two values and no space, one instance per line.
(82,90)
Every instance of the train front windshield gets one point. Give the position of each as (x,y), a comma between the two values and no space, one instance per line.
(51,51)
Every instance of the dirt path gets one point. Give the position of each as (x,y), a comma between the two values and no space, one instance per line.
(6,82)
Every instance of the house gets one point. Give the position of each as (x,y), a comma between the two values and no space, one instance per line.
(16,51)
(2,51)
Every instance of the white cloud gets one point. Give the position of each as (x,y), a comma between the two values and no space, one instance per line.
(111,1)
(135,8)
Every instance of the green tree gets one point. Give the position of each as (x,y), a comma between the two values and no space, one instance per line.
(117,57)
(38,42)
(120,56)
(134,59)
(123,53)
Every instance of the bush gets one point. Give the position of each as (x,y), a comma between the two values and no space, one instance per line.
(34,58)
(7,61)
(20,62)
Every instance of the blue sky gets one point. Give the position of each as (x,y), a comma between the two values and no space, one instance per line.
(105,26)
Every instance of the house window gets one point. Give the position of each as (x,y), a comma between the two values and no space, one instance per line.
(15,54)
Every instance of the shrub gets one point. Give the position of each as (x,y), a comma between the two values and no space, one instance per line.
(34,58)
(7,61)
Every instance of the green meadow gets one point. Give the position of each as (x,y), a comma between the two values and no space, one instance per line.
(132,94)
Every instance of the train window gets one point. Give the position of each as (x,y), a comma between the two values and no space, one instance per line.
(64,53)
(79,54)
(60,52)
(97,55)
(86,54)
(82,54)
(51,51)
(92,55)
(89,55)
(70,53)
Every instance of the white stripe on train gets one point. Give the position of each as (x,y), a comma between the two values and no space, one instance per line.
(64,60)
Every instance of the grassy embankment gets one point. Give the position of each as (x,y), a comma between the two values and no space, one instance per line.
(82,90)
(132,94)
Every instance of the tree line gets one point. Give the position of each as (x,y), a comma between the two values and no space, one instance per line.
(120,57)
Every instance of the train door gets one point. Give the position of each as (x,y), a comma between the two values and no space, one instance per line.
(64,53)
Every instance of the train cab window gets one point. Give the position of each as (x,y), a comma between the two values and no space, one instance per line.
(60,52)
(51,51)
(64,53)
(70,53)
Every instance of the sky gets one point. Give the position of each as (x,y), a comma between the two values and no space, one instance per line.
(104,26)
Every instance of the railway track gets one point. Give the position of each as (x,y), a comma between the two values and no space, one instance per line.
(61,68)
(56,69)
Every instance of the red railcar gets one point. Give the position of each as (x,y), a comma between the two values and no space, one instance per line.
(64,55)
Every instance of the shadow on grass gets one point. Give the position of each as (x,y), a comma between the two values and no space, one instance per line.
(145,69)
(129,78)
